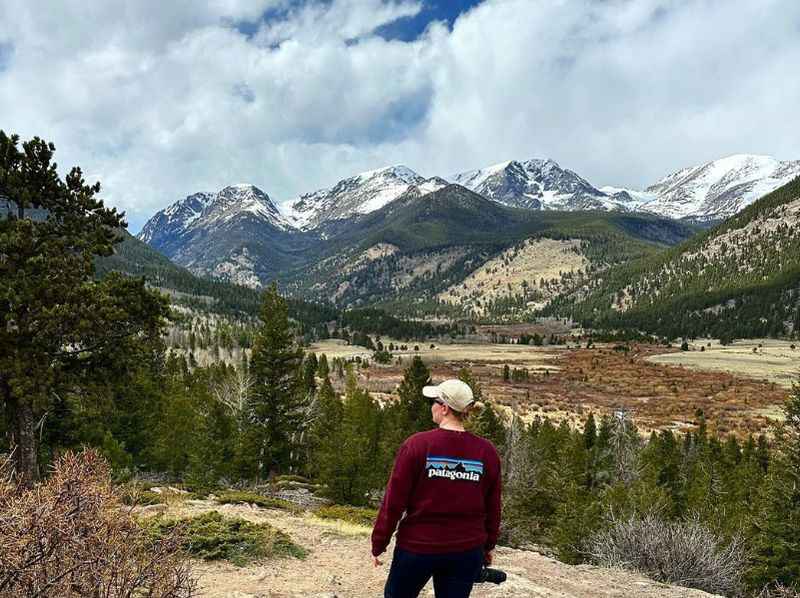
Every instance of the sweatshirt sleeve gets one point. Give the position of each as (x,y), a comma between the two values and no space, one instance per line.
(493,502)
(395,501)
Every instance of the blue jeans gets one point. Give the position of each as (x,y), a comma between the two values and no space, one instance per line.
(453,573)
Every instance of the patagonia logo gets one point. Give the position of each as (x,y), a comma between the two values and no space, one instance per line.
(453,468)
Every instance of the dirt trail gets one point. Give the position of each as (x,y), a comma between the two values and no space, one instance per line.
(338,566)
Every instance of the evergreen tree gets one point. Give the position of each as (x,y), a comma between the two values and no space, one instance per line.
(309,372)
(590,432)
(61,329)
(416,413)
(777,524)
(175,420)
(488,423)
(323,370)
(466,376)
(325,422)
(347,455)
(278,393)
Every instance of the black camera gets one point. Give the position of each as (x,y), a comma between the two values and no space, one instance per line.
(489,575)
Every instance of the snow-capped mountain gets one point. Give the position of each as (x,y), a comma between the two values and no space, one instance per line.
(537,185)
(242,199)
(175,219)
(236,234)
(203,209)
(718,189)
(359,194)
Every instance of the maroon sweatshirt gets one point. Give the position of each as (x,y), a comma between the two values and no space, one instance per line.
(448,485)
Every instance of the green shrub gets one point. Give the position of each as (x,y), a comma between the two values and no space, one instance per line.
(213,537)
(292,484)
(266,502)
(136,493)
(290,478)
(357,515)
(140,494)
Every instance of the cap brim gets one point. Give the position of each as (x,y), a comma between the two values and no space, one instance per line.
(432,392)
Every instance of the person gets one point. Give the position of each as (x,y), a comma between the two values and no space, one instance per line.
(447,483)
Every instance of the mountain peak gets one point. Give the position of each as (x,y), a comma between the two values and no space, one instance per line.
(397,170)
(203,209)
(537,183)
(720,188)
(175,218)
(243,199)
(354,196)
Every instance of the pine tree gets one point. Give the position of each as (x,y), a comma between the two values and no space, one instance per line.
(466,376)
(309,373)
(346,459)
(590,432)
(278,395)
(323,370)
(416,413)
(325,422)
(61,330)
(486,422)
(520,476)
(777,523)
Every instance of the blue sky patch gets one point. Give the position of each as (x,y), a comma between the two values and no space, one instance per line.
(6,52)
(410,28)
(405,29)
(244,91)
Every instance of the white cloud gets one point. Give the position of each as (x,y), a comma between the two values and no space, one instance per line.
(158,99)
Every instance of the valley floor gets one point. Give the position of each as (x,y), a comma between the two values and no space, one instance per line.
(739,391)
(338,565)
(767,359)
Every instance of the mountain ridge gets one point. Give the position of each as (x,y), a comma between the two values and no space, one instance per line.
(718,189)
(535,184)
(359,194)
(738,279)
(421,244)
(237,234)
(706,193)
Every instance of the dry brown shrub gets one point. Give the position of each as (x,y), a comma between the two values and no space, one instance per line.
(684,553)
(71,536)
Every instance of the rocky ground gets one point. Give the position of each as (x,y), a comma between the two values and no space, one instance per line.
(338,565)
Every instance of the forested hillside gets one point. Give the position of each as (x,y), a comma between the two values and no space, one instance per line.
(418,246)
(216,310)
(739,279)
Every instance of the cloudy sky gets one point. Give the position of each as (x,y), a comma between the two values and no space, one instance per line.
(161,99)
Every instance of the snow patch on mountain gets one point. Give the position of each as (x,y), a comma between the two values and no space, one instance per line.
(432,184)
(176,218)
(633,197)
(359,194)
(202,210)
(243,199)
(537,184)
(719,189)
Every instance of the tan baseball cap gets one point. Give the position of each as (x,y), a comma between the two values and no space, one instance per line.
(453,392)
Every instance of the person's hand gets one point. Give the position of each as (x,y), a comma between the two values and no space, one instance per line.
(376,562)
(487,557)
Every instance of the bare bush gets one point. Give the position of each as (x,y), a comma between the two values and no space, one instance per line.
(684,553)
(778,591)
(71,536)
(234,392)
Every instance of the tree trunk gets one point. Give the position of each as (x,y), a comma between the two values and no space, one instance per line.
(21,427)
